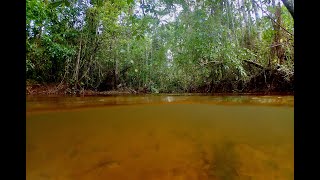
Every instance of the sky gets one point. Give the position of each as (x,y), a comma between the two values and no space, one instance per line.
(172,15)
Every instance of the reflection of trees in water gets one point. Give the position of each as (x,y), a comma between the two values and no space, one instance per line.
(56,103)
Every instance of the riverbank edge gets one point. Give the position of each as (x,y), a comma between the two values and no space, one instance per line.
(65,90)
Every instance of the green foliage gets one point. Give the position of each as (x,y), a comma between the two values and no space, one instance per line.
(110,43)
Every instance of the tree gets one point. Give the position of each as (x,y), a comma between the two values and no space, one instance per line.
(159,46)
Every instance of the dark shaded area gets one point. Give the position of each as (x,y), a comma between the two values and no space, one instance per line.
(265,81)
(224,164)
(270,81)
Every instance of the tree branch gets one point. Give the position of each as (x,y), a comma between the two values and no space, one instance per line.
(254,64)
(214,62)
(273,19)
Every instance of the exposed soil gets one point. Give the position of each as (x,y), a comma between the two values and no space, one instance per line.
(56,89)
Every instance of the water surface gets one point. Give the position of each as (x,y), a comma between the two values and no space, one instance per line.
(160,137)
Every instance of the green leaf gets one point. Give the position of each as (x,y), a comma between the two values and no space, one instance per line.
(130,1)
(134,33)
(66,2)
(59,2)
(56,3)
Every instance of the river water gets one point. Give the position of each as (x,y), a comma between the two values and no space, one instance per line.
(160,137)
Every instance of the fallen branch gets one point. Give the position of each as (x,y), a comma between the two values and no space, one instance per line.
(254,64)
(215,62)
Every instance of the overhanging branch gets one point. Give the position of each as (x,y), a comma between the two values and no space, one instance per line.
(273,19)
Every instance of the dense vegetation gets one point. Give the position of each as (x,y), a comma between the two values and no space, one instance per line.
(161,45)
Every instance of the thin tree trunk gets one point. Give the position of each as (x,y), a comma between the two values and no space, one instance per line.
(257,17)
(246,26)
(277,51)
(273,2)
(255,9)
(116,70)
(146,66)
(76,76)
(241,19)
(231,7)
(250,22)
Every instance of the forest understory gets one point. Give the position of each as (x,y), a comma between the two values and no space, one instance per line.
(267,81)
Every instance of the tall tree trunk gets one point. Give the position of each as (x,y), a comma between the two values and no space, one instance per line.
(76,75)
(255,9)
(273,3)
(116,69)
(246,36)
(250,22)
(231,16)
(241,21)
(257,17)
(277,49)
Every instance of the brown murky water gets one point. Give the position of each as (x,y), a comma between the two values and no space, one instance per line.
(160,137)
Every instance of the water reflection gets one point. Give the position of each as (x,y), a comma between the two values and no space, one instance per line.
(35,103)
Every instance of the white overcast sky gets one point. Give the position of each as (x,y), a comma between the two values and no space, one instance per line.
(178,8)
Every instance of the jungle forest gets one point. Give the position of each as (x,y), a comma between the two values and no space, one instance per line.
(160,46)
(160,89)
